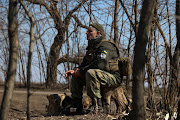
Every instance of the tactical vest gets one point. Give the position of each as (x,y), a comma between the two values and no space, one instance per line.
(120,64)
(111,66)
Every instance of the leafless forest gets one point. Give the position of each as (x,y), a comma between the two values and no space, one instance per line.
(41,39)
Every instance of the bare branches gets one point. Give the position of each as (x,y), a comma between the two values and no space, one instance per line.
(130,20)
(52,10)
(79,22)
(165,42)
(67,19)
(27,12)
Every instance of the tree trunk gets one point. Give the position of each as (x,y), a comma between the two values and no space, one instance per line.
(11,75)
(61,26)
(178,116)
(116,12)
(136,17)
(52,63)
(174,83)
(177,49)
(29,67)
(29,58)
(139,60)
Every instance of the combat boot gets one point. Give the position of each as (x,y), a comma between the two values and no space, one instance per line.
(96,105)
(77,104)
(106,106)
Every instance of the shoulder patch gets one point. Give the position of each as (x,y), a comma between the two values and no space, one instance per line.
(101,56)
(105,51)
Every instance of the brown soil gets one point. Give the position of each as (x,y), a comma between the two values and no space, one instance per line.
(38,102)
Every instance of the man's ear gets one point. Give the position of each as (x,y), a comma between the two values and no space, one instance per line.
(98,33)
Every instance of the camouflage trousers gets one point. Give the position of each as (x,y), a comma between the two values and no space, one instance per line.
(93,80)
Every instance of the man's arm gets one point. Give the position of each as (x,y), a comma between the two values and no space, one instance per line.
(104,53)
(75,73)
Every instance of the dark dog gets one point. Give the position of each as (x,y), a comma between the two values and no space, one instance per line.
(61,103)
(119,97)
(58,103)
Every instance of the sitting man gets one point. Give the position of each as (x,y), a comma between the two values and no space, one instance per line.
(97,68)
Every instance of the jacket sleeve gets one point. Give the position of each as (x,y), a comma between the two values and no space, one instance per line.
(84,63)
(104,53)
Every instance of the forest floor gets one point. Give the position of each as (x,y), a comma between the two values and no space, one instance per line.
(38,102)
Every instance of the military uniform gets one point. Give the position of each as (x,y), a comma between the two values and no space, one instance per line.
(96,69)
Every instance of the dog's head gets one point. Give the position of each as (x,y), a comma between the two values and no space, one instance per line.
(86,103)
(60,102)
(57,102)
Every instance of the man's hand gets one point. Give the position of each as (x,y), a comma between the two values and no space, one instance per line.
(68,73)
(75,73)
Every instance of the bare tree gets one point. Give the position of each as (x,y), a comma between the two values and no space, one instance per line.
(62,27)
(4,41)
(150,73)
(172,92)
(29,57)
(174,79)
(129,17)
(139,60)
(116,12)
(160,71)
(22,77)
(178,115)
(136,16)
(11,74)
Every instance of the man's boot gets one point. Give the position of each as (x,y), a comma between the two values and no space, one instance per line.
(79,107)
(96,105)
(106,106)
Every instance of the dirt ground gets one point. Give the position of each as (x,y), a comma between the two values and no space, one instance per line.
(38,102)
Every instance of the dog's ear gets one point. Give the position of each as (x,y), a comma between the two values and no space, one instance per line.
(67,102)
(67,97)
(48,96)
(61,97)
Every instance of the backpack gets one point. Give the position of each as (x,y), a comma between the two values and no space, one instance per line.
(125,66)
(124,63)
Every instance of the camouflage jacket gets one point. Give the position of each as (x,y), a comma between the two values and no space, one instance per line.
(98,56)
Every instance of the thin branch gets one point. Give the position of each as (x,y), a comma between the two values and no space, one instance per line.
(132,24)
(56,17)
(68,17)
(165,41)
(79,22)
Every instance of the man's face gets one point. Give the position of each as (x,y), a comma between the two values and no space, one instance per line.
(92,33)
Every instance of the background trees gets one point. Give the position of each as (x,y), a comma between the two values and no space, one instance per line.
(139,59)
(60,41)
(12,65)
